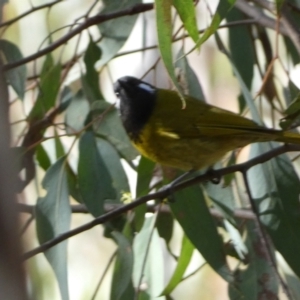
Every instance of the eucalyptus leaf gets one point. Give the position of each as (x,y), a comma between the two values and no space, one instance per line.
(16,76)
(53,216)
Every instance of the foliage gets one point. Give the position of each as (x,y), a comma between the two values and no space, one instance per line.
(245,227)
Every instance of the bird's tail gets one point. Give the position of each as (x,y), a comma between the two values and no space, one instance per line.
(289,137)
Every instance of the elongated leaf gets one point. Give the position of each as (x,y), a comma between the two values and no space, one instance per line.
(187,249)
(108,125)
(90,80)
(188,78)
(241,46)
(42,157)
(144,176)
(186,11)
(164,35)
(76,113)
(257,280)
(276,187)
(59,148)
(193,215)
(114,166)
(148,260)
(17,76)
(123,267)
(53,215)
(115,32)
(245,91)
(95,183)
(223,7)
(49,87)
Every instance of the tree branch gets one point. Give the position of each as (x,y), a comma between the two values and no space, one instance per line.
(163,193)
(100,18)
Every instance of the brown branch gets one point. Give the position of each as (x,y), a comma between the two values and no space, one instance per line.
(100,18)
(239,213)
(163,193)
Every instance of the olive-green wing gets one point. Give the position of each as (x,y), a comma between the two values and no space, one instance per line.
(199,118)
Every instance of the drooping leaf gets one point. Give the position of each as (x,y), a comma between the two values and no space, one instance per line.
(275,188)
(164,34)
(123,267)
(256,280)
(114,166)
(59,148)
(148,260)
(223,8)
(186,253)
(107,124)
(90,80)
(187,14)
(164,225)
(95,182)
(48,89)
(144,177)
(241,46)
(16,76)
(195,219)
(53,216)
(42,157)
(115,32)
(76,113)
(188,78)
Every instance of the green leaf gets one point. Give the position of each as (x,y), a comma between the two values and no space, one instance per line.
(148,260)
(257,279)
(187,14)
(59,148)
(73,184)
(76,113)
(17,76)
(123,267)
(53,216)
(245,91)
(187,249)
(107,124)
(113,164)
(222,198)
(188,79)
(42,157)
(95,183)
(195,219)
(144,176)
(164,35)
(115,32)
(241,47)
(275,187)
(90,80)
(223,8)
(164,225)
(48,89)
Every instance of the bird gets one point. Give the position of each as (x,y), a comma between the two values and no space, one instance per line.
(189,138)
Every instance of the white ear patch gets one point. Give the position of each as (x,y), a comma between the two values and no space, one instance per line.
(146,87)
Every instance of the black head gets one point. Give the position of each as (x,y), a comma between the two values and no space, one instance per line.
(137,101)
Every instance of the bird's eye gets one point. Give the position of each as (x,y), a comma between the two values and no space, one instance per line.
(117,94)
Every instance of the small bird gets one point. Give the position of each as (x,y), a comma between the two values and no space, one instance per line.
(188,139)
